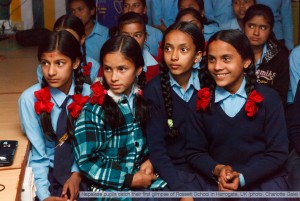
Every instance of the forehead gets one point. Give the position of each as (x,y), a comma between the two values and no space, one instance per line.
(115,59)
(76,4)
(132,27)
(53,55)
(177,37)
(220,48)
(258,20)
(133,1)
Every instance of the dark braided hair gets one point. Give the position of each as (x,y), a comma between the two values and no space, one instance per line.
(241,43)
(65,43)
(131,50)
(198,40)
(73,23)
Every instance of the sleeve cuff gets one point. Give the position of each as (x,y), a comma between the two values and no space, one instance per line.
(242,180)
(128,180)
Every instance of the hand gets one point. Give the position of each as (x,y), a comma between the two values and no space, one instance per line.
(186,199)
(221,169)
(162,27)
(230,182)
(142,180)
(52,198)
(147,167)
(72,186)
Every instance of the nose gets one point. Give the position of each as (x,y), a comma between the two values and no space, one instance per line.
(218,66)
(175,56)
(256,31)
(114,76)
(129,8)
(51,70)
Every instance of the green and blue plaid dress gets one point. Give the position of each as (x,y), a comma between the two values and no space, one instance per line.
(106,156)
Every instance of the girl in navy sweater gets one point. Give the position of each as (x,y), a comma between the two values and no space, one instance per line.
(173,92)
(238,136)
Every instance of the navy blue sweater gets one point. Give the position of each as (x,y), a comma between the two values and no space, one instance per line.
(294,121)
(167,154)
(257,147)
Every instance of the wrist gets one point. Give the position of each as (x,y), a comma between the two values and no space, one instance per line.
(216,171)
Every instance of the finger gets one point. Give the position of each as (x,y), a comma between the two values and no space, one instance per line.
(65,190)
(72,193)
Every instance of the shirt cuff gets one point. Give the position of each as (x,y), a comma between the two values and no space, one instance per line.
(75,167)
(242,180)
(128,180)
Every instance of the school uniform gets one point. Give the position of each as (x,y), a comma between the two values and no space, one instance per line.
(168,154)
(272,69)
(257,146)
(209,30)
(93,71)
(218,11)
(283,22)
(109,157)
(231,24)
(151,67)
(42,150)
(294,61)
(165,10)
(95,41)
(154,36)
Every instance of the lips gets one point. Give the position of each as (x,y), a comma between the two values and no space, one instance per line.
(174,66)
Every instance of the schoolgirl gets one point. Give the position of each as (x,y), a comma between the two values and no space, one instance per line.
(237,138)
(47,123)
(154,35)
(73,24)
(110,143)
(271,58)
(96,34)
(132,24)
(173,92)
(209,27)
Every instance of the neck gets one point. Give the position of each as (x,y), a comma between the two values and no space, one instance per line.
(89,27)
(183,79)
(257,50)
(240,22)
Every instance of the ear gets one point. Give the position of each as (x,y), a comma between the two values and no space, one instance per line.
(247,63)
(198,56)
(145,10)
(139,71)
(76,63)
(93,11)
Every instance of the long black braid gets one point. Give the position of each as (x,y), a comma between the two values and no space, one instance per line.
(198,39)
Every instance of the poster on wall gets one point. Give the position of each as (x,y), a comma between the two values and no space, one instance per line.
(108,12)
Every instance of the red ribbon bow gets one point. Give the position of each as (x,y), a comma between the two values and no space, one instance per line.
(87,68)
(99,93)
(43,103)
(203,98)
(250,106)
(76,106)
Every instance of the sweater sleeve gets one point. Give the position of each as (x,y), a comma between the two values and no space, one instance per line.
(276,148)
(197,150)
(294,122)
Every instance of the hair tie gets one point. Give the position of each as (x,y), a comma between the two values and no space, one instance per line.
(170,123)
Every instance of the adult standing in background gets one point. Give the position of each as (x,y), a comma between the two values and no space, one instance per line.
(218,11)
(163,13)
(283,24)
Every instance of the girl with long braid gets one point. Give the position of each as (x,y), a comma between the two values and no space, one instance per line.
(56,176)
(237,138)
(172,93)
(73,24)
(110,143)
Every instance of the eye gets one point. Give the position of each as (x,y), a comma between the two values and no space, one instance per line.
(122,69)
(106,69)
(60,63)
(167,49)
(44,63)
(211,59)
(126,6)
(226,59)
(263,28)
(136,5)
(184,49)
(251,26)
(139,35)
